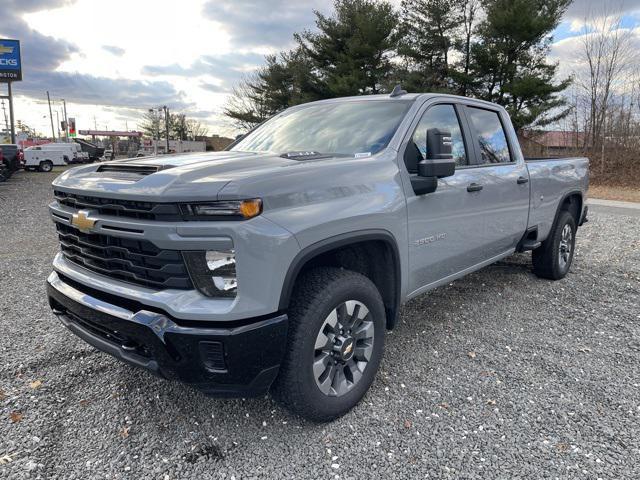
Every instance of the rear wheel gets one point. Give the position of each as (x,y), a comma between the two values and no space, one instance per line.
(553,258)
(335,344)
(46,166)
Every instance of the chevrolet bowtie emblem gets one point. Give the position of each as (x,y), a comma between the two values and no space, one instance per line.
(4,49)
(82,221)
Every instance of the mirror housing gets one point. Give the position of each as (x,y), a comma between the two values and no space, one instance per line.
(442,167)
(438,164)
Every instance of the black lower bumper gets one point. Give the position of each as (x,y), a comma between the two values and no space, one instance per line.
(233,361)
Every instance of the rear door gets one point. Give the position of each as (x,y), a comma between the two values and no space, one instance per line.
(501,182)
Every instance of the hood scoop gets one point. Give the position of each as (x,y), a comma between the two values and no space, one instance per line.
(131,168)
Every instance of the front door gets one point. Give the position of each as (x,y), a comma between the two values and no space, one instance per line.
(443,225)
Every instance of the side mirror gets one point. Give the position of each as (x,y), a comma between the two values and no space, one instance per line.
(438,164)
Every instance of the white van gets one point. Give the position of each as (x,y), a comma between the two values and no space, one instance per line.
(45,157)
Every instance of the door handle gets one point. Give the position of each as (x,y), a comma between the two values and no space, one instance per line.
(522,180)
(474,187)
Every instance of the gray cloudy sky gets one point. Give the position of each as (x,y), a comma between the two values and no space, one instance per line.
(113,59)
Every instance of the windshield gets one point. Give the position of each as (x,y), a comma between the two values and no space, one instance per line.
(346,128)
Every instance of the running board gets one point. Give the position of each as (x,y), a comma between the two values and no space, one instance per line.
(529,240)
(529,245)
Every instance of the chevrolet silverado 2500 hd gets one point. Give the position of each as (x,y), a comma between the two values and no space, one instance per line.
(279,263)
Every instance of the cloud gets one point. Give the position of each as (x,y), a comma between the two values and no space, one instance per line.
(39,52)
(258,23)
(87,89)
(42,55)
(117,51)
(580,9)
(228,69)
(212,87)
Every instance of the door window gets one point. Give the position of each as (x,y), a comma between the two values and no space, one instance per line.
(491,137)
(439,116)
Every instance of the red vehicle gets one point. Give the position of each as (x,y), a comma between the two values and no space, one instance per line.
(4,171)
(12,158)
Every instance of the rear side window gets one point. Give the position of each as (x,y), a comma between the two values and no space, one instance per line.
(443,117)
(491,136)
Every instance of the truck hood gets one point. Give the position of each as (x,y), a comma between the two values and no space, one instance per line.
(171,178)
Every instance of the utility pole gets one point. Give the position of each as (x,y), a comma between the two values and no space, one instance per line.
(66,121)
(53,132)
(156,131)
(166,122)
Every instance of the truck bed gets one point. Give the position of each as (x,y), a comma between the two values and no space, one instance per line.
(551,180)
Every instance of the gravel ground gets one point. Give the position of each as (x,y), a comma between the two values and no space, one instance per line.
(498,375)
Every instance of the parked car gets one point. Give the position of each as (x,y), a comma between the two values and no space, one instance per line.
(279,263)
(4,171)
(108,154)
(11,158)
(44,157)
(92,152)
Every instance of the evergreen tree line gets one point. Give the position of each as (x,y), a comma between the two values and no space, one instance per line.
(495,50)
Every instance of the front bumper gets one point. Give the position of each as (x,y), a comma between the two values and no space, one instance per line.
(240,359)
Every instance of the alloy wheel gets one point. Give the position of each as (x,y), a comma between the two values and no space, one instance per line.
(566,244)
(343,348)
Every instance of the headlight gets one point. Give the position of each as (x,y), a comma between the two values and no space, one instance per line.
(223,210)
(213,272)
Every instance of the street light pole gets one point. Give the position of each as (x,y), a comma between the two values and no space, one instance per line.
(11,119)
(166,122)
(53,132)
(58,122)
(66,121)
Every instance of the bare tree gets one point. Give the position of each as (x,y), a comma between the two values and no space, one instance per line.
(607,55)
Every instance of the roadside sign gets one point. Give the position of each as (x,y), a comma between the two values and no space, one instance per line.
(10,62)
(72,127)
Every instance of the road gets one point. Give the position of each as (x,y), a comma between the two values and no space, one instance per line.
(498,375)
(611,207)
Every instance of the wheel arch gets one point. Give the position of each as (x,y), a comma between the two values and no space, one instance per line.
(374,253)
(573,203)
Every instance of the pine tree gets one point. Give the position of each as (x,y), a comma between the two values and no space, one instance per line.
(430,34)
(351,52)
(284,81)
(509,60)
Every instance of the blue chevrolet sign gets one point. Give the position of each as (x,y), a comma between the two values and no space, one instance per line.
(10,63)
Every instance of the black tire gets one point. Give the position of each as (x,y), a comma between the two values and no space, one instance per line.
(316,294)
(45,166)
(549,261)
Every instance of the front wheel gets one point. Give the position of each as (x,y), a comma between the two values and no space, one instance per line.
(334,346)
(553,258)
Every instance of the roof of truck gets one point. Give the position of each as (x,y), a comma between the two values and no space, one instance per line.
(406,96)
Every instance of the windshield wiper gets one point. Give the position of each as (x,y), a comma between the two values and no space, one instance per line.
(304,155)
(310,155)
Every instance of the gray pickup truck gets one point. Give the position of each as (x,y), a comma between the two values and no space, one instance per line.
(278,264)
